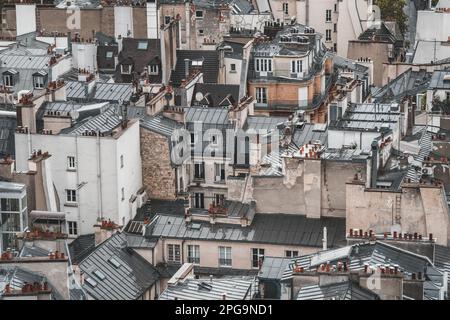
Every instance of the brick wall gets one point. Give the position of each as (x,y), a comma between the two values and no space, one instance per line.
(157,172)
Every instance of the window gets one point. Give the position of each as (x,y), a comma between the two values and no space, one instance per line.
(335,7)
(263,65)
(123,193)
(199,171)
(233,67)
(328,35)
(109,55)
(200,32)
(335,47)
(219,199)
(447,95)
(10,205)
(153,69)
(126,69)
(173,251)
(291,253)
(39,82)
(193,254)
(225,257)
(73,228)
(71,195)
(142,45)
(166,19)
(199,14)
(297,66)
(257,257)
(328,15)
(199,200)
(8,80)
(335,27)
(285,8)
(121,160)
(219,172)
(261,95)
(71,163)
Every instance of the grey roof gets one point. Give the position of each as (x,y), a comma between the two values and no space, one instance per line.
(345,154)
(372,254)
(368,116)
(273,268)
(218,94)
(139,241)
(278,229)
(437,80)
(116,272)
(263,123)
(7,130)
(408,83)
(209,68)
(16,277)
(308,132)
(12,187)
(33,251)
(113,92)
(82,246)
(235,288)
(347,290)
(160,124)
(105,122)
(215,116)
(442,259)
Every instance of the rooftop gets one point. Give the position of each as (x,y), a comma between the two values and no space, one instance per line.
(111,92)
(115,272)
(347,290)
(207,61)
(278,229)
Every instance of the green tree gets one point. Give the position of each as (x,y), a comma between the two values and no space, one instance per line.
(392,10)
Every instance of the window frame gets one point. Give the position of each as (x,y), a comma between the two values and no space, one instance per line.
(225,259)
(257,252)
(173,252)
(71,166)
(328,15)
(72,228)
(193,253)
(71,196)
(199,16)
(262,95)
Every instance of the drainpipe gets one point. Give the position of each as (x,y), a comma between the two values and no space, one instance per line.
(374,169)
(99,178)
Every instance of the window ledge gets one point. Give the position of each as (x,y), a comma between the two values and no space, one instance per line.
(233,71)
(69,204)
(71,170)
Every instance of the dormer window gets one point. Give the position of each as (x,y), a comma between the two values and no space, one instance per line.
(142,45)
(109,55)
(39,79)
(153,69)
(10,77)
(199,14)
(125,68)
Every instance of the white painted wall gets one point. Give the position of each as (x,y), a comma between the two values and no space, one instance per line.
(338,138)
(61,42)
(25,18)
(152,21)
(84,55)
(233,77)
(250,21)
(123,21)
(95,194)
(433,26)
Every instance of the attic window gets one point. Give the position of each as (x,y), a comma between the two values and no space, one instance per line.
(153,69)
(91,282)
(142,45)
(199,14)
(115,263)
(99,275)
(109,54)
(8,80)
(126,69)
(197,63)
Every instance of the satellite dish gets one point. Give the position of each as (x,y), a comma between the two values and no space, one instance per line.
(199,96)
(74,114)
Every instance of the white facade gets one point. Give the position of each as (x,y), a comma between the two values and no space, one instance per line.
(433,26)
(25,18)
(342,20)
(152,20)
(98,177)
(123,22)
(84,56)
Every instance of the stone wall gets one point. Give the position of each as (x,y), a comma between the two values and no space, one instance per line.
(157,172)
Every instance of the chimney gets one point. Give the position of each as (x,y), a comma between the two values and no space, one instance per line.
(186,68)
(374,166)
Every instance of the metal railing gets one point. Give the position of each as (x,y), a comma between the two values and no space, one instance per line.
(225,262)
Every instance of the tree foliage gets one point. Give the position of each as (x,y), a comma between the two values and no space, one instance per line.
(392,10)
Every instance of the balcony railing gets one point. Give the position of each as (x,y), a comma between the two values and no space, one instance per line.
(194,260)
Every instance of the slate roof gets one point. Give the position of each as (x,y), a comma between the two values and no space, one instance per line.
(347,290)
(218,95)
(16,277)
(139,57)
(33,251)
(442,259)
(235,288)
(383,34)
(81,247)
(437,80)
(7,129)
(209,68)
(124,275)
(273,268)
(278,229)
(213,116)
(263,123)
(408,83)
(111,92)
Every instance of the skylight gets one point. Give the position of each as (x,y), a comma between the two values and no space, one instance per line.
(91,282)
(114,262)
(99,275)
(142,45)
